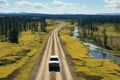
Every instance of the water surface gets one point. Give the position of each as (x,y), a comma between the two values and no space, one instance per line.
(96,51)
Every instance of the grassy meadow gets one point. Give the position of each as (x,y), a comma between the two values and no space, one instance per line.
(18,60)
(83,66)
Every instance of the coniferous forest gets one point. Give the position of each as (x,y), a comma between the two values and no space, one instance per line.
(11,26)
(101,30)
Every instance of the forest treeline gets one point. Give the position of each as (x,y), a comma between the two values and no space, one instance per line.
(11,26)
(89,29)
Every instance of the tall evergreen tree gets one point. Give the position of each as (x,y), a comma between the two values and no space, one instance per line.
(104,37)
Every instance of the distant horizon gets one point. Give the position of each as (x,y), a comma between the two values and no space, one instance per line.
(60,6)
(59,13)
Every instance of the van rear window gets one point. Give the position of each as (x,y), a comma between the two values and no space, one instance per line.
(53,59)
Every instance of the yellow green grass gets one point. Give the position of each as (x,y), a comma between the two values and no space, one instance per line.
(112,42)
(110,30)
(22,56)
(85,67)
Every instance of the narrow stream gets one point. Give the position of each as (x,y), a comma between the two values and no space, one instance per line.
(96,51)
(75,32)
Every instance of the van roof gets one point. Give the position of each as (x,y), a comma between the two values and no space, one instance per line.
(53,56)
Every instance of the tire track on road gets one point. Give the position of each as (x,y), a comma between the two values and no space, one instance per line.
(41,71)
(54,47)
(64,60)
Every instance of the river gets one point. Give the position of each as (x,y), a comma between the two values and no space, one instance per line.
(96,51)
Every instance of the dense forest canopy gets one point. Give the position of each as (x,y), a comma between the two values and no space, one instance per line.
(12,24)
(91,30)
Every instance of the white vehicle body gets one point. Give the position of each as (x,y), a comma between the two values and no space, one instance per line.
(54,63)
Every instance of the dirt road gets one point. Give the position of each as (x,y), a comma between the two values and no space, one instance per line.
(54,47)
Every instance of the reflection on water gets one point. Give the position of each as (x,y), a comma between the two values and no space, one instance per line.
(96,51)
(99,54)
(75,33)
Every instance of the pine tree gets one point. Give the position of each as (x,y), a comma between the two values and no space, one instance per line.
(104,37)
(43,25)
